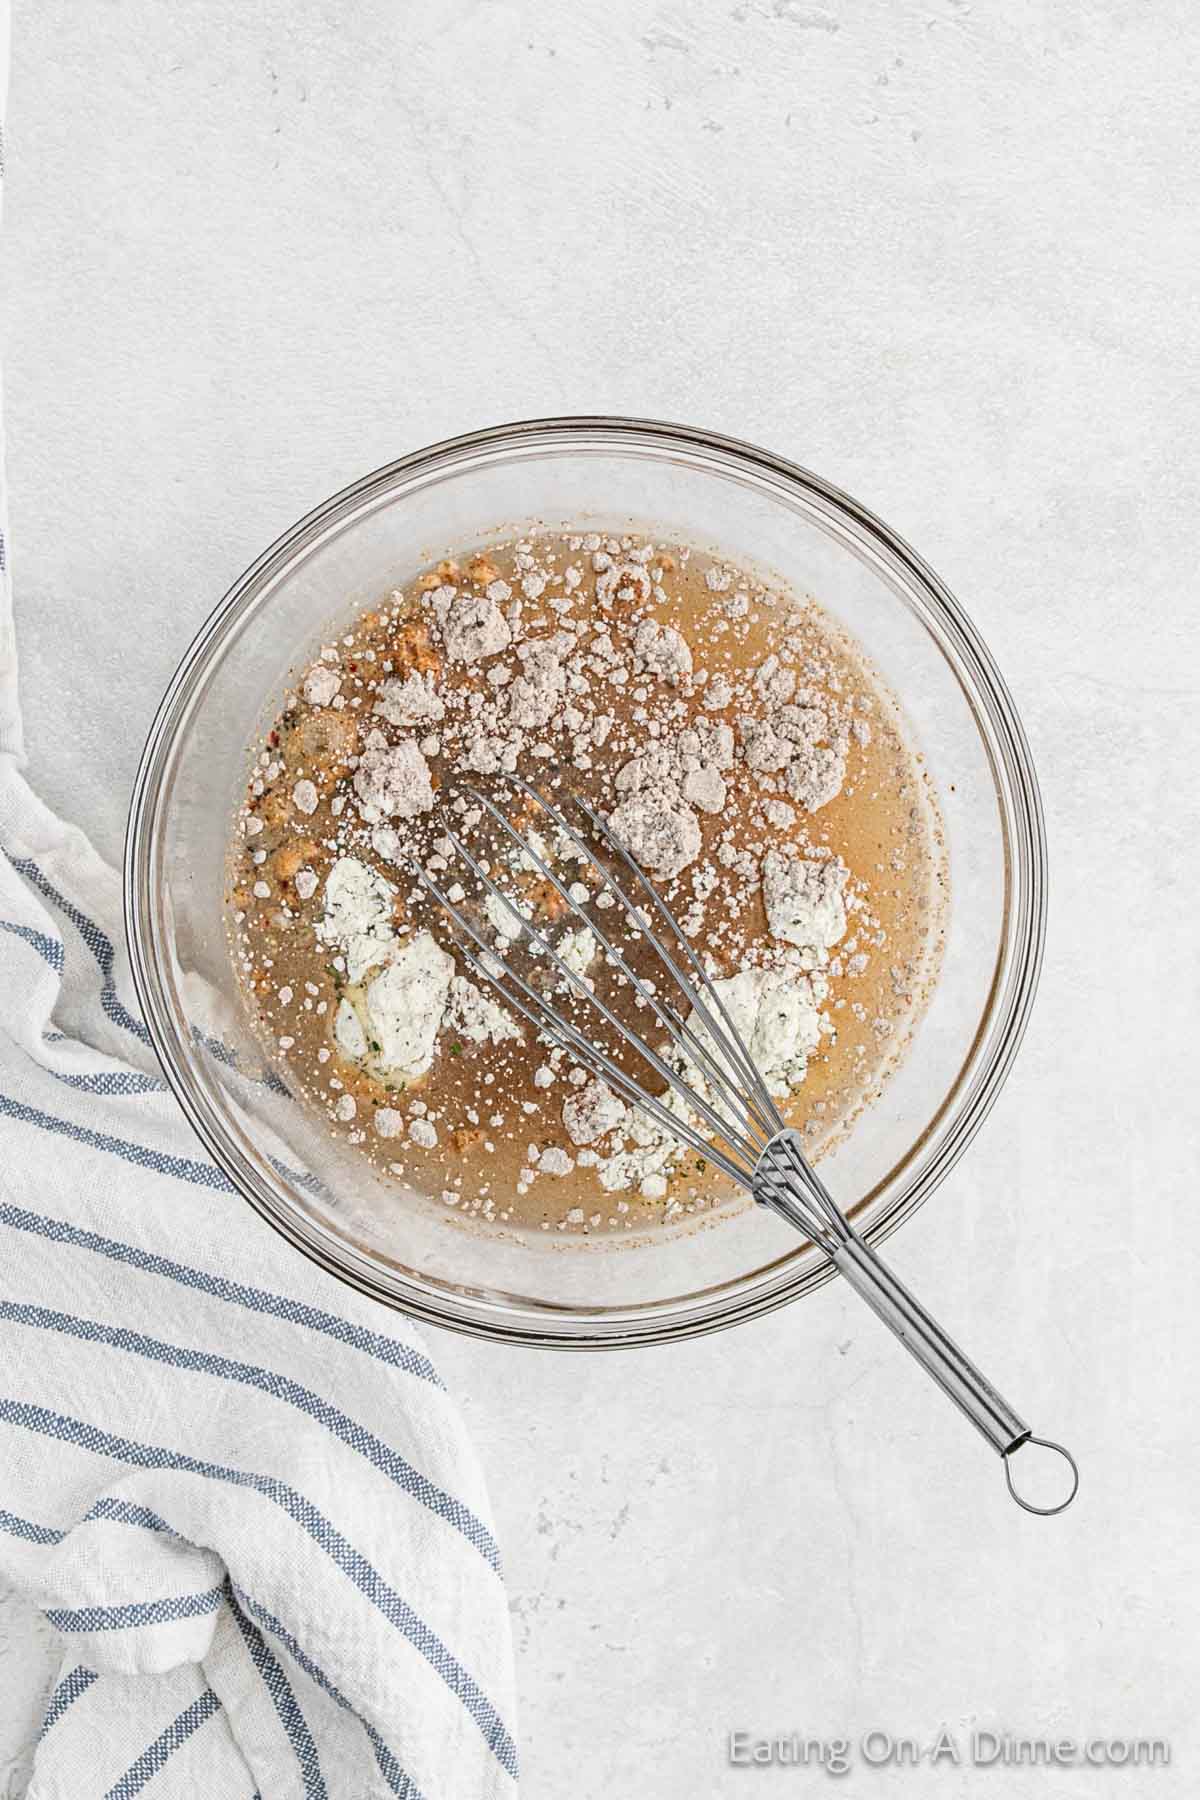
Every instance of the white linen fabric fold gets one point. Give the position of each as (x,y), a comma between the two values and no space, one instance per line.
(238,1490)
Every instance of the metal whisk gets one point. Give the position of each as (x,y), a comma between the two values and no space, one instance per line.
(729,1117)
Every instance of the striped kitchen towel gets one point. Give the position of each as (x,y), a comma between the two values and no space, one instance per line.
(238,1491)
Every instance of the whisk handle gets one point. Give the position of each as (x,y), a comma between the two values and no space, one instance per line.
(940,1356)
(903,1313)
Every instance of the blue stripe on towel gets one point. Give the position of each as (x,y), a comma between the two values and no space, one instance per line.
(77,1681)
(184,1168)
(228,1057)
(97,941)
(284,1701)
(100,945)
(137,1612)
(391,1605)
(126,1512)
(111,1083)
(25,1528)
(122,1512)
(164,1746)
(389,1462)
(295,1312)
(46,946)
(398,1779)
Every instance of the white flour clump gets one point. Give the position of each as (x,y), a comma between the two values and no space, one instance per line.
(777,1014)
(392,780)
(475,1016)
(554,1161)
(659,830)
(501,917)
(775,683)
(489,751)
(592,1112)
(652,1152)
(348,1030)
(703,751)
(406,1002)
(718,694)
(656,821)
(801,739)
(629,582)
(358,915)
(321,684)
(656,767)
(705,789)
(536,694)
(645,1166)
(805,900)
(815,776)
(577,949)
(413,701)
(472,627)
(662,651)
(765,749)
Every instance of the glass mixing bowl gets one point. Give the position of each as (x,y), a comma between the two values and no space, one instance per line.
(593,474)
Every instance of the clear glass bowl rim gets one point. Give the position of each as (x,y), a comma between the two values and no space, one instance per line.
(1018,962)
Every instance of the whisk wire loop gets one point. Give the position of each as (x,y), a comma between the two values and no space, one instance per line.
(692,1045)
(533,1006)
(749,1126)
(766,1108)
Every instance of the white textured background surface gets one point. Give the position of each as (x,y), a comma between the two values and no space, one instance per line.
(947,254)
